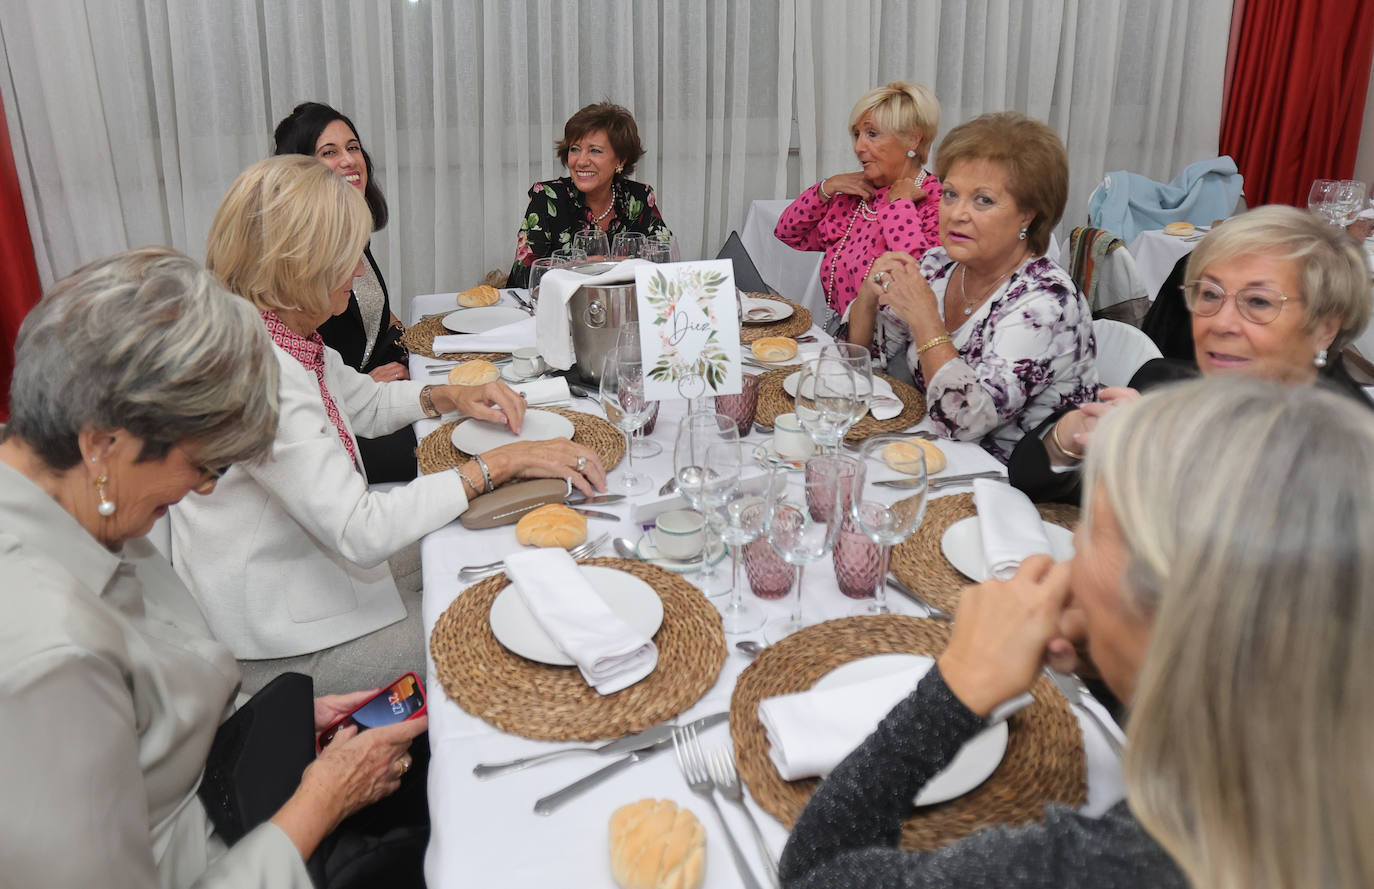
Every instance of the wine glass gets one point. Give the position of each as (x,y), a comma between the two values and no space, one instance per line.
(860,362)
(826,401)
(657,251)
(703,484)
(592,241)
(803,518)
(1349,200)
(737,517)
(1321,197)
(622,398)
(886,523)
(628,245)
(537,269)
(640,446)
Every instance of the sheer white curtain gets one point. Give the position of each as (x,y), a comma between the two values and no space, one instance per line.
(131,117)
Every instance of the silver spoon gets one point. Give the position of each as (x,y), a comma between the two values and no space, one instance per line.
(625,548)
(749,647)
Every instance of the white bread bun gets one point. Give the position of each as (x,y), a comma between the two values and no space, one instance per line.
(474,373)
(1179,228)
(901,456)
(481,295)
(552,525)
(774,348)
(657,845)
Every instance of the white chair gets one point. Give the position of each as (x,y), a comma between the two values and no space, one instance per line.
(1121,350)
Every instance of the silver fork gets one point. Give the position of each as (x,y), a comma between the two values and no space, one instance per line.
(722,765)
(470,573)
(692,763)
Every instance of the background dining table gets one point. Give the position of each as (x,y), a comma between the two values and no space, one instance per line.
(485,831)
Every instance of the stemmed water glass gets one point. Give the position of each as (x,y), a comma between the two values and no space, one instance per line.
(592,241)
(1321,198)
(640,445)
(886,524)
(737,518)
(860,362)
(1350,197)
(622,398)
(803,519)
(826,400)
(628,245)
(702,483)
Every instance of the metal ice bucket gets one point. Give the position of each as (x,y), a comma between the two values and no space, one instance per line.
(598,311)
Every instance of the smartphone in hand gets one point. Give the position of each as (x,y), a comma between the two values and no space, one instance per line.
(400,701)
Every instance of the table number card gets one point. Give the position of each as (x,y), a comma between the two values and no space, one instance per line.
(688,328)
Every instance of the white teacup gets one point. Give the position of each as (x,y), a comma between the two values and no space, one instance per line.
(679,534)
(527,362)
(790,440)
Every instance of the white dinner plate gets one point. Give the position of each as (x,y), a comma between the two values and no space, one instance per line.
(478,436)
(633,600)
(482,319)
(767,456)
(646,550)
(975,761)
(789,385)
(764,311)
(962,544)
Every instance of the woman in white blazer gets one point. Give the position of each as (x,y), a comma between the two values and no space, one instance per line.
(289,561)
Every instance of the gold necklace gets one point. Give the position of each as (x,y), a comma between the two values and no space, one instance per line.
(963,278)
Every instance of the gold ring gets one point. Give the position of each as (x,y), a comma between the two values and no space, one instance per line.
(404,765)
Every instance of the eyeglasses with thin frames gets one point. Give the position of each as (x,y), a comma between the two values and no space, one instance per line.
(208,475)
(1258,305)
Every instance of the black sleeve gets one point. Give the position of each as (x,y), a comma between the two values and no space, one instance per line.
(1029,468)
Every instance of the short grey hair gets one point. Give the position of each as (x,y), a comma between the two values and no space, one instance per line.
(1334,276)
(1247,511)
(147,341)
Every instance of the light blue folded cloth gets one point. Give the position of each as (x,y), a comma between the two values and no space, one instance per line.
(1129,203)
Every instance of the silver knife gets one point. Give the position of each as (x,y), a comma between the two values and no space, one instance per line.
(931,611)
(629,743)
(1071,688)
(546,805)
(596,514)
(944,482)
(599,499)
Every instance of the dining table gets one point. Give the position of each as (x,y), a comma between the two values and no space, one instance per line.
(485,832)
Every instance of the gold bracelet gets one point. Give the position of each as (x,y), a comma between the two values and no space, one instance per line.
(1054,435)
(427,402)
(930,344)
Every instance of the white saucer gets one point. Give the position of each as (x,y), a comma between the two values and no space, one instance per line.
(482,319)
(767,457)
(976,760)
(764,311)
(646,550)
(633,600)
(477,436)
(962,544)
(510,376)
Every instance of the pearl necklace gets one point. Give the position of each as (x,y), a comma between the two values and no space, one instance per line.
(839,248)
(868,212)
(596,220)
(963,278)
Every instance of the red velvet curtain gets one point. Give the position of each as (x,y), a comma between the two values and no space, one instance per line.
(19,287)
(1295,102)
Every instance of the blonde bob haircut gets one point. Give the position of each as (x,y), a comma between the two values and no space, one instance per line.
(907,110)
(1335,279)
(1247,511)
(1031,154)
(289,232)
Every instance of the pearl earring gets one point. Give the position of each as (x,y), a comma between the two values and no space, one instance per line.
(911,152)
(104,507)
(1022,236)
(1320,360)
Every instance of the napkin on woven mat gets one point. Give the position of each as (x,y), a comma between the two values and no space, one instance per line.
(554,336)
(544,391)
(1010,524)
(881,409)
(506,338)
(810,732)
(610,654)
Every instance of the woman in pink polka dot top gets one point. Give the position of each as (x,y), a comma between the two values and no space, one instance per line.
(893,204)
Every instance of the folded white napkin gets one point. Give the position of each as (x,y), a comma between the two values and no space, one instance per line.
(1011,527)
(499,339)
(554,333)
(880,409)
(810,732)
(543,391)
(610,654)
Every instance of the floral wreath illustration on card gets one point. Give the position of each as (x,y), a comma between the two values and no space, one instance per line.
(682,304)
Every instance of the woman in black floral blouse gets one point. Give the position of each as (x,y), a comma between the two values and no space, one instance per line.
(600,146)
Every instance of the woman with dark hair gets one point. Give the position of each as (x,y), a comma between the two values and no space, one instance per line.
(367,334)
(600,147)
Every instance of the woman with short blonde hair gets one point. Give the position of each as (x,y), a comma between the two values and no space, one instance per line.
(890,204)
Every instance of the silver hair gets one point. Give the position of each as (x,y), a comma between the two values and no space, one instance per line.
(147,341)
(1247,513)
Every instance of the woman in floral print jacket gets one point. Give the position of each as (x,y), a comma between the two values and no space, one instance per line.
(600,146)
(994,332)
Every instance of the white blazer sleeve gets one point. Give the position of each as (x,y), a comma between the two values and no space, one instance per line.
(372,408)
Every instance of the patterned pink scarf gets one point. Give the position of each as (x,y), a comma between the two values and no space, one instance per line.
(309,351)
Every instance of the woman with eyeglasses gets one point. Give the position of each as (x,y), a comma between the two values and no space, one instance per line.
(1274,293)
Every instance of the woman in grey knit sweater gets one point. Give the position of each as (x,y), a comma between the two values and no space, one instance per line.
(1184,575)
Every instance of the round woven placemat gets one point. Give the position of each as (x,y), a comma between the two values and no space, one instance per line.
(437,453)
(419,338)
(795,324)
(550,703)
(1044,761)
(774,400)
(921,564)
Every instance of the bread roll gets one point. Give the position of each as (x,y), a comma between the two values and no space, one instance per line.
(656,845)
(552,525)
(1179,228)
(481,295)
(901,456)
(474,373)
(774,348)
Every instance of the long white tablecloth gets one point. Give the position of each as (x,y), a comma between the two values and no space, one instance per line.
(485,832)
